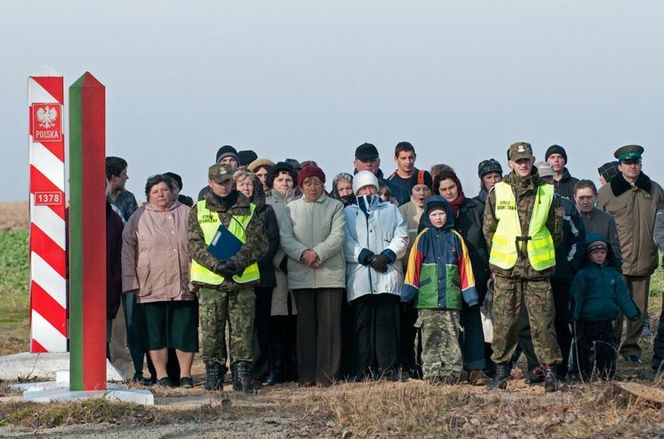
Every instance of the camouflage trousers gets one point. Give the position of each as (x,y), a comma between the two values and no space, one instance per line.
(216,308)
(509,297)
(441,353)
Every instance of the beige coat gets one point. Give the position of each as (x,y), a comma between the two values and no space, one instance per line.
(318,225)
(155,259)
(634,208)
(281,293)
(411,213)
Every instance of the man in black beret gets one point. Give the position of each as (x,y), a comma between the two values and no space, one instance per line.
(563,183)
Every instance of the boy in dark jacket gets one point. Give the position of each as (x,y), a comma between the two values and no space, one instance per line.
(599,293)
(439,276)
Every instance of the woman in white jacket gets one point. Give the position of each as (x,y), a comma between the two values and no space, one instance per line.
(376,239)
(312,236)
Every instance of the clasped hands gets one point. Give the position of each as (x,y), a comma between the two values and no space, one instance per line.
(310,258)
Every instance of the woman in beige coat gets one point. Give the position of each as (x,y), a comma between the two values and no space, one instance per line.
(155,265)
(312,237)
(283,314)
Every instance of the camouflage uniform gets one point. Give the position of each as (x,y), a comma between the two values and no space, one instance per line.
(228,302)
(441,354)
(522,285)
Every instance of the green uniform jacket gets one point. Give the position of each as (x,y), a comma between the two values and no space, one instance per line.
(524,193)
(253,250)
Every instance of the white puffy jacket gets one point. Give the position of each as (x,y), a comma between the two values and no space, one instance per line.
(383,228)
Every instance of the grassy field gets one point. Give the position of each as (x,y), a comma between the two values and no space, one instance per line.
(14,291)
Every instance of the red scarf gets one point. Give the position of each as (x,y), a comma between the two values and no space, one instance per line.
(456,204)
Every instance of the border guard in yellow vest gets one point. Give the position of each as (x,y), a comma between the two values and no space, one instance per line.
(522,229)
(226,287)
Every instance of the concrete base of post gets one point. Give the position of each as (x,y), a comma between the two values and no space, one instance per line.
(114,393)
(26,365)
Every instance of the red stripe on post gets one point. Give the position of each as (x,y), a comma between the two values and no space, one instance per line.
(48,308)
(53,85)
(36,347)
(56,149)
(48,250)
(39,180)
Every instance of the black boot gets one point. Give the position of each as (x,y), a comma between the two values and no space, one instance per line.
(242,377)
(550,381)
(214,375)
(501,378)
(276,365)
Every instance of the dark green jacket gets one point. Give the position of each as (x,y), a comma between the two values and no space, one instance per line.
(600,293)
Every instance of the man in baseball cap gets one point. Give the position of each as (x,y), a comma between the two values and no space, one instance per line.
(226,286)
(367,159)
(522,263)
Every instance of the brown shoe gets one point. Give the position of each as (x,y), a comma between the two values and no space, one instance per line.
(477,378)
(307,384)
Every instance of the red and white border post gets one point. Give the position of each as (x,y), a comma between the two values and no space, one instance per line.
(48,283)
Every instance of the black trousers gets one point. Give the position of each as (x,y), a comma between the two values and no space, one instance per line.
(347,328)
(261,335)
(471,339)
(597,346)
(408,347)
(561,302)
(376,334)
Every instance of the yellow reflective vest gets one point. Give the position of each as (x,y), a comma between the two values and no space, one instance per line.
(209,222)
(508,239)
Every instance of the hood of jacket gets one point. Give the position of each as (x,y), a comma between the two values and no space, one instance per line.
(432,203)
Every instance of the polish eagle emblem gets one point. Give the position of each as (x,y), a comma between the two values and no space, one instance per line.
(46,117)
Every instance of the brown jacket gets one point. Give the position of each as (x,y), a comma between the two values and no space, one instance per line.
(634,208)
(155,259)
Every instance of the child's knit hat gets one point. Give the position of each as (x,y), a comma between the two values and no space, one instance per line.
(594,242)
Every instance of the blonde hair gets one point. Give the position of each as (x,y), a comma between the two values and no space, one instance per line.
(242,174)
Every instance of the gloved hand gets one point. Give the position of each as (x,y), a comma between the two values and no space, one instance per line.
(226,269)
(379,262)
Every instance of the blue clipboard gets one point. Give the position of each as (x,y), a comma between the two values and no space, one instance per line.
(224,244)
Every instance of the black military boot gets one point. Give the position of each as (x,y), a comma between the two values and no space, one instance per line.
(214,375)
(501,378)
(242,377)
(550,381)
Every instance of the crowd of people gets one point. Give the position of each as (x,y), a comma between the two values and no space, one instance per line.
(285,275)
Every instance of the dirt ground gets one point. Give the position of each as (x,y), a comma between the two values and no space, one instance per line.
(14,215)
(372,409)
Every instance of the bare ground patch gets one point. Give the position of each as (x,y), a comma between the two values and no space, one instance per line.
(14,215)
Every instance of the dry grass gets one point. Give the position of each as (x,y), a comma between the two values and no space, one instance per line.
(417,409)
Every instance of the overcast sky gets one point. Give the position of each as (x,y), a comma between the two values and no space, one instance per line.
(312,80)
